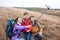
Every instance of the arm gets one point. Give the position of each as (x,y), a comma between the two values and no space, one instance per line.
(23,27)
(18,29)
(30,28)
(14,30)
(41,30)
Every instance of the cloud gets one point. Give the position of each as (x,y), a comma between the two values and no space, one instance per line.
(30,3)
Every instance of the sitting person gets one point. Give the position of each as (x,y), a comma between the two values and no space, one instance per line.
(35,25)
(26,22)
(38,35)
(36,29)
(18,28)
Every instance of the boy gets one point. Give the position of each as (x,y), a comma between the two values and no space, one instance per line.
(37,29)
(26,22)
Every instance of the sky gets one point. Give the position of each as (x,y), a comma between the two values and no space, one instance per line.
(30,3)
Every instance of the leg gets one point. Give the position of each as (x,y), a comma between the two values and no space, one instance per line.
(6,37)
(20,39)
(39,36)
(32,37)
(28,36)
(25,35)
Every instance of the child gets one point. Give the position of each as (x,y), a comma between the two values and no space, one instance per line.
(26,22)
(35,24)
(36,28)
(17,29)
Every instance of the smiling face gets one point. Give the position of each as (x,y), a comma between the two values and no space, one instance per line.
(19,20)
(26,15)
(32,18)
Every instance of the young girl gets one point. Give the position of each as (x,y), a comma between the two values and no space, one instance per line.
(17,29)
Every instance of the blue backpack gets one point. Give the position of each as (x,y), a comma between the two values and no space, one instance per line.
(9,28)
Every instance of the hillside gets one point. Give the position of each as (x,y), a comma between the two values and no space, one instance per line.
(55,12)
(51,23)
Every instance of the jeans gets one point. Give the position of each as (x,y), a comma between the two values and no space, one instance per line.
(40,36)
(20,39)
(32,38)
(27,35)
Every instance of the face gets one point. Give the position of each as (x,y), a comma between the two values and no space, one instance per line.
(32,19)
(20,20)
(26,16)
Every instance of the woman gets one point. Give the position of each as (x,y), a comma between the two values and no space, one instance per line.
(18,28)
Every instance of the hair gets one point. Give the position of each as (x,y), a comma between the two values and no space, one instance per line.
(16,19)
(15,22)
(31,17)
(25,13)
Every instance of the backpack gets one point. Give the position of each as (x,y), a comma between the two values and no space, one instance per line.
(9,28)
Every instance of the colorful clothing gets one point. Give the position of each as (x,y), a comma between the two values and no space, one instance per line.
(26,22)
(17,30)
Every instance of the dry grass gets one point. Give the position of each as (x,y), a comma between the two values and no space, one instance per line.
(50,23)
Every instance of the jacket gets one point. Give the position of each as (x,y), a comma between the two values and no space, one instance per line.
(17,30)
(26,22)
